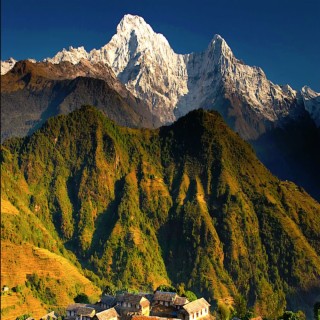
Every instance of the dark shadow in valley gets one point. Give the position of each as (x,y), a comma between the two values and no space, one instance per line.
(292,152)
(106,221)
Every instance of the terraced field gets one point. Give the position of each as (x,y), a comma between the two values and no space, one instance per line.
(64,279)
(19,261)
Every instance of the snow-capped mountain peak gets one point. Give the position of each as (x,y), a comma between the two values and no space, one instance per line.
(308,92)
(132,22)
(136,53)
(173,84)
(219,52)
(134,39)
(311,100)
(7,65)
(73,55)
(219,43)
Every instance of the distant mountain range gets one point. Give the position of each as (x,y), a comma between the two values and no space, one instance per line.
(187,203)
(173,84)
(152,85)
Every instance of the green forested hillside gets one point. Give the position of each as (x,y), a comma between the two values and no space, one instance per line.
(188,203)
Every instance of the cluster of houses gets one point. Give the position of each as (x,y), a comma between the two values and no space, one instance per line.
(129,306)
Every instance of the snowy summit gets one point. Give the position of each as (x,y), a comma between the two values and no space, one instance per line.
(173,84)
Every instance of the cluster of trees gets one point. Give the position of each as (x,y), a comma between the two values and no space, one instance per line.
(241,311)
(40,289)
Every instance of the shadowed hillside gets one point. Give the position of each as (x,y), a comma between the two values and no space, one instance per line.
(33,92)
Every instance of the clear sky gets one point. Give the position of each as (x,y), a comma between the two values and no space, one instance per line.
(280,36)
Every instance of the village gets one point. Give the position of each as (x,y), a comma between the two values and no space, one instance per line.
(140,306)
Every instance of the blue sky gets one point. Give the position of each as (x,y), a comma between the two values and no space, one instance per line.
(280,36)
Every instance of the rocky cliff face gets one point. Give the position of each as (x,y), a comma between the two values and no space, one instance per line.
(144,61)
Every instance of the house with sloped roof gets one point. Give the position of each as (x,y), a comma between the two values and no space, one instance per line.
(195,310)
(85,313)
(107,302)
(167,304)
(179,302)
(132,304)
(71,310)
(109,314)
(164,298)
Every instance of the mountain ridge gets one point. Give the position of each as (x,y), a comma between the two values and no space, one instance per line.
(169,85)
(32,92)
(174,84)
(135,43)
(144,61)
(188,203)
